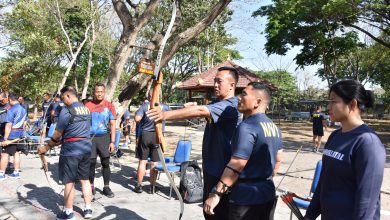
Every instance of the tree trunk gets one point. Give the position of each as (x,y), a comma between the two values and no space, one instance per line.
(89,65)
(139,81)
(131,27)
(74,57)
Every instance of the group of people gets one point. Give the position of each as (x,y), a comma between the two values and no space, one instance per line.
(241,150)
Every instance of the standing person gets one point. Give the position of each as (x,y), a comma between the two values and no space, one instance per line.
(23,103)
(103,130)
(319,122)
(47,106)
(57,106)
(256,156)
(125,123)
(15,121)
(353,160)
(73,126)
(222,118)
(147,141)
(4,106)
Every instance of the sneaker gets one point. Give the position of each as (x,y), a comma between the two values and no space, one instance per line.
(14,175)
(2,177)
(64,216)
(88,213)
(138,188)
(124,145)
(119,153)
(107,192)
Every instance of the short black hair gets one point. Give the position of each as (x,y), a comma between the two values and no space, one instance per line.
(232,71)
(263,87)
(69,89)
(13,97)
(351,89)
(46,93)
(99,85)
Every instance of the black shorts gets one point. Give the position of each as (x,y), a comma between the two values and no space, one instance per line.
(251,212)
(222,209)
(72,168)
(100,146)
(318,131)
(146,147)
(127,133)
(13,148)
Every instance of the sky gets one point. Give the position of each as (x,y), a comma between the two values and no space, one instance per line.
(248,31)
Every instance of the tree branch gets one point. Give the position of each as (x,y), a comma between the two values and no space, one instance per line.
(124,14)
(147,14)
(380,41)
(193,31)
(63,29)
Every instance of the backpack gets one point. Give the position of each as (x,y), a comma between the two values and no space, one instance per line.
(191,185)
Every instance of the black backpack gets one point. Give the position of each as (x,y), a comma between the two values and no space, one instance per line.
(191,185)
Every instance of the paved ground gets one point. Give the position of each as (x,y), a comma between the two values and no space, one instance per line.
(32,197)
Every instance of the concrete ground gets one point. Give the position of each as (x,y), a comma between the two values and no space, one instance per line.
(33,197)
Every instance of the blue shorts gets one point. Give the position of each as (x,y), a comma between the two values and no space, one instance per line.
(72,168)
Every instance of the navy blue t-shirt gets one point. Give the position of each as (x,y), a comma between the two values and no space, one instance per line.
(57,106)
(46,108)
(318,117)
(25,106)
(80,128)
(3,117)
(257,139)
(216,147)
(351,177)
(146,123)
(16,115)
(125,116)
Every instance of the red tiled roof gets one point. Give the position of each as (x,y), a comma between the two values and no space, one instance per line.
(206,79)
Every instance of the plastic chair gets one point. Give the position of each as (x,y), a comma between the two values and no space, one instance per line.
(182,154)
(37,138)
(304,202)
(114,154)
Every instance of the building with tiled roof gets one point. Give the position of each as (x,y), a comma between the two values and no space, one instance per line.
(204,82)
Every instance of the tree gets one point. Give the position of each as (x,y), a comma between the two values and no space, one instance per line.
(286,95)
(133,21)
(321,29)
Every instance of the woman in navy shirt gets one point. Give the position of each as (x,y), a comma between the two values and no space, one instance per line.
(353,160)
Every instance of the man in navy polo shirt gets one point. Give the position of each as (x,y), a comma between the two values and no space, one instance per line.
(256,155)
(15,121)
(145,147)
(222,118)
(74,124)
(57,106)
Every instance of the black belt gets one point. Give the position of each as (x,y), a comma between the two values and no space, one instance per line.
(254,180)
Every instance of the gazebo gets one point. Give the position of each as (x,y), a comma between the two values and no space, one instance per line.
(204,82)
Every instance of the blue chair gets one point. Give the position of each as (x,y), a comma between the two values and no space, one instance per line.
(304,202)
(114,154)
(182,154)
(37,138)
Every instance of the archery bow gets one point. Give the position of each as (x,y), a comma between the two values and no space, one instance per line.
(154,102)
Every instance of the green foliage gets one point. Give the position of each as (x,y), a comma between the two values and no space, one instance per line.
(287,95)
(319,27)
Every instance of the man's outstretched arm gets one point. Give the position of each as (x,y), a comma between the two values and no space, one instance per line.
(157,114)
